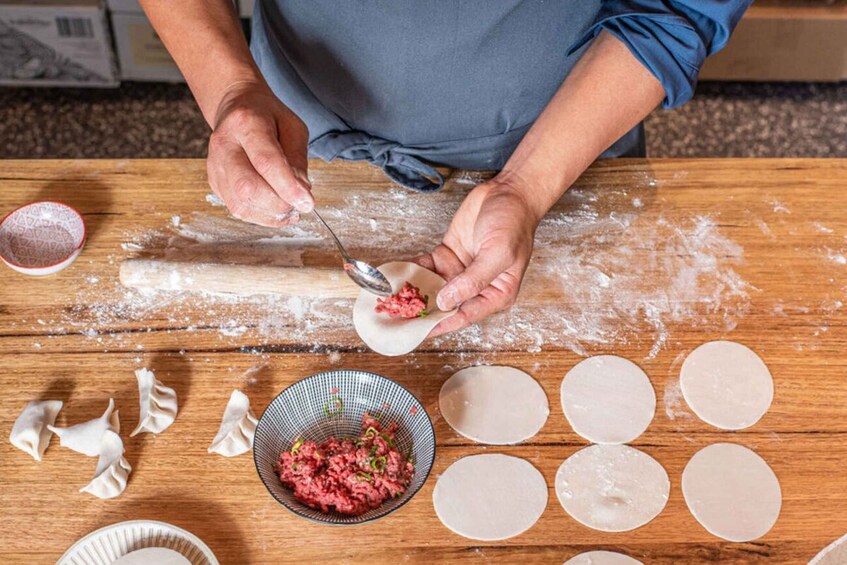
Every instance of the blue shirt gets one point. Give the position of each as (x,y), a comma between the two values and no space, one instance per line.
(402,84)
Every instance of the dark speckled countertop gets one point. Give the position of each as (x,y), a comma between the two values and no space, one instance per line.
(141,120)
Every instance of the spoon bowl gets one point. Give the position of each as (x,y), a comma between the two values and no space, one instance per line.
(363,274)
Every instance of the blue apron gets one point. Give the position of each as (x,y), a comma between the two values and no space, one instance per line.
(405,84)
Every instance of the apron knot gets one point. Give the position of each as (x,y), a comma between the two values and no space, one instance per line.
(398,165)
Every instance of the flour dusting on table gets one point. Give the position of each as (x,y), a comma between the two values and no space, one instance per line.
(609,270)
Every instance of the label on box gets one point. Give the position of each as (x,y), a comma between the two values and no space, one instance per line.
(56,45)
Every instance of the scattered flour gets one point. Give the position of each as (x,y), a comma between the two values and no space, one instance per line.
(835,256)
(214,200)
(779,207)
(611,273)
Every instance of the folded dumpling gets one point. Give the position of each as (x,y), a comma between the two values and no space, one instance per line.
(31,432)
(113,469)
(238,427)
(158,405)
(85,437)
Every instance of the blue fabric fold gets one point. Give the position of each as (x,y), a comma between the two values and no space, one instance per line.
(670,38)
(394,159)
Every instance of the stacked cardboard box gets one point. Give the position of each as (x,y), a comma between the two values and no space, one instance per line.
(141,54)
(56,43)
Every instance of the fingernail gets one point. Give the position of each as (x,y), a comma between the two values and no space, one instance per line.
(447,299)
(304,205)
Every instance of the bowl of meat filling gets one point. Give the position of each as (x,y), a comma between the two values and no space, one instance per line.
(344,447)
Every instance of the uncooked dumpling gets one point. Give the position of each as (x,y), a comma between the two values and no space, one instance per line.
(490,497)
(726,384)
(112,470)
(238,427)
(153,556)
(157,404)
(495,405)
(612,488)
(31,432)
(602,558)
(397,336)
(732,492)
(608,399)
(85,437)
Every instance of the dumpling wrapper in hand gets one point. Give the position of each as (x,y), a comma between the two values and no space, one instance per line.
(157,404)
(85,437)
(113,469)
(238,427)
(31,432)
(398,336)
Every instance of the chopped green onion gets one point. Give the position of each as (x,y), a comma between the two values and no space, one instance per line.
(387,439)
(362,476)
(371,432)
(333,407)
(294,466)
(423,314)
(296,447)
(378,464)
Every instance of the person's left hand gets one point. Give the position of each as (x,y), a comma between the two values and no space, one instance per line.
(484,254)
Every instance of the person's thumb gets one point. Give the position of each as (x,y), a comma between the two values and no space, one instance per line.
(484,268)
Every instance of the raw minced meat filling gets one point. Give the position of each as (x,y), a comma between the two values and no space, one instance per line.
(349,475)
(408,303)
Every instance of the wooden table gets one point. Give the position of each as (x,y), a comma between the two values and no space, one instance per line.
(787,215)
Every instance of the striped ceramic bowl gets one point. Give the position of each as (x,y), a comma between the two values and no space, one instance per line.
(332,404)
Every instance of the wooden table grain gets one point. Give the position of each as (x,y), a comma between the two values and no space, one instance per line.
(794,321)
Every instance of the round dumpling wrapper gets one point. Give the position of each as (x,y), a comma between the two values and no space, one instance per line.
(608,399)
(494,405)
(602,558)
(726,384)
(490,497)
(153,556)
(732,492)
(612,488)
(398,336)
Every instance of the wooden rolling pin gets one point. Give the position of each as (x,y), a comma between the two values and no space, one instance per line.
(242,280)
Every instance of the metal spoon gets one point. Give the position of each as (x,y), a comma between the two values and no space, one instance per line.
(362,274)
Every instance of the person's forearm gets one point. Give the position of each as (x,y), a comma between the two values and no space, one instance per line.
(607,93)
(205,39)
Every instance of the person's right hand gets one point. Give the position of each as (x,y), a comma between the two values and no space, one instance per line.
(257,162)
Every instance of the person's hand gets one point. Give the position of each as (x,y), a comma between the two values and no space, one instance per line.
(484,254)
(257,160)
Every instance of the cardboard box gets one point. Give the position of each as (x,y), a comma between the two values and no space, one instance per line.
(245,8)
(125,6)
(56,43)
(785,41)
(141,54)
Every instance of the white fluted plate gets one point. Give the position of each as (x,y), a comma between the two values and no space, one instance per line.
(106,545)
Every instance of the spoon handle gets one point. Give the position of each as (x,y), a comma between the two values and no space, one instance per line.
(334,238)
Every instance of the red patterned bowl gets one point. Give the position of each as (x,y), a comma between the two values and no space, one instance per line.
(41,238)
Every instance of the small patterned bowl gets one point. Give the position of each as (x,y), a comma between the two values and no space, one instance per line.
(300,411)
(41,238)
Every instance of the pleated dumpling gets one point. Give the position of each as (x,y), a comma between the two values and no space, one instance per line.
(157,404)
(112,472)
(238,427)
(31,432)
(85,437)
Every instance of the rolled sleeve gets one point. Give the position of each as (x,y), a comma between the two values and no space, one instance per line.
(670,38)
